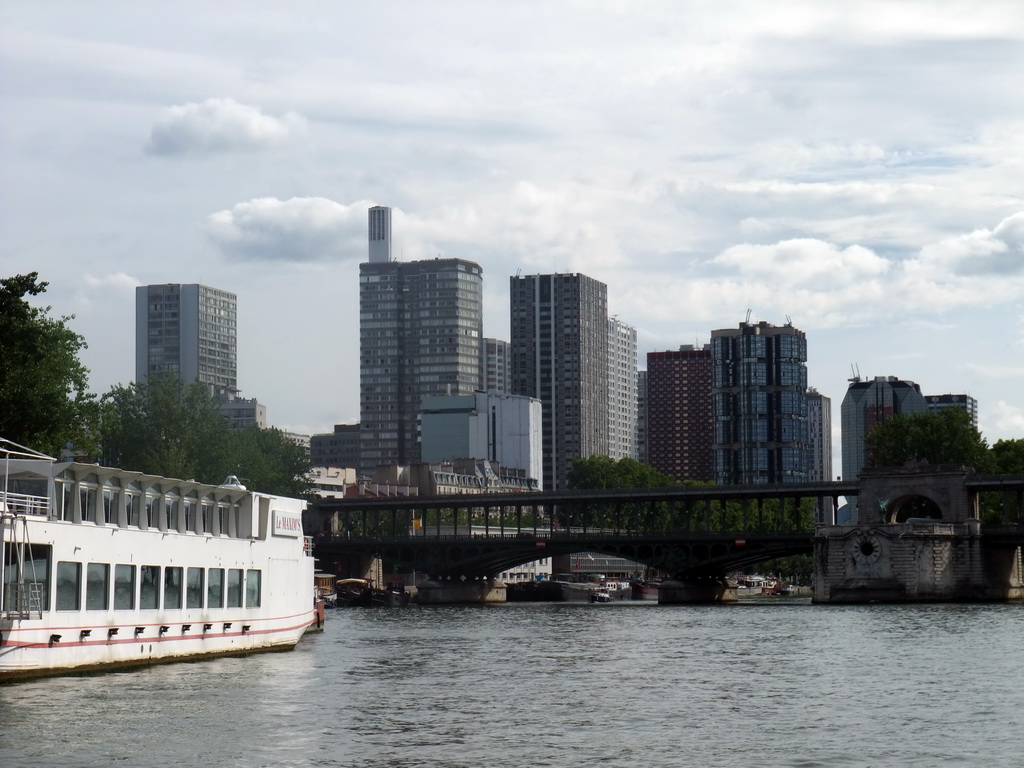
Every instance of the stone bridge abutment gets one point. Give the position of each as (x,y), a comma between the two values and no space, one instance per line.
(916,537)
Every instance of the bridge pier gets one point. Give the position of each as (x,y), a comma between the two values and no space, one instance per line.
(918,561)
(711,589)
(917,537)
(455,592)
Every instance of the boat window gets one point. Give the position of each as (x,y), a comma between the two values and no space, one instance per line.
(207,518)
(190,516)
(194,588)
(222,520)
(234,588)
(69,586)
(110,502)
(149,593)
(97,586)
(19,578)
(69,502)
(215,588)
(253,590)
(150,521)
(64,495)
(131,505)
(172,588)
(169,522)
(88,503)
(124,587)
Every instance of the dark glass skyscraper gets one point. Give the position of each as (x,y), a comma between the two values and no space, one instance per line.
(420,326)
(867,404)
(759,397)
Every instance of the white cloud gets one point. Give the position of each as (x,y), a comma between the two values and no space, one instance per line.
(1009,417)
(220,125)
(97,292)
(803,260)
(297,230)
(998,251)
(118,281)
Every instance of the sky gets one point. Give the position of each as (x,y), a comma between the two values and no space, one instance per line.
(855,168)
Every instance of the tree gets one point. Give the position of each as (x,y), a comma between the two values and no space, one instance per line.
(947,436)
(1008,457)
(165,427)
(606,472)
(269,461)
(44,402)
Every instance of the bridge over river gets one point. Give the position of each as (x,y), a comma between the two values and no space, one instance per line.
(693,533)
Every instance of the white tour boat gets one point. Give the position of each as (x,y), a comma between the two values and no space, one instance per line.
(104,568)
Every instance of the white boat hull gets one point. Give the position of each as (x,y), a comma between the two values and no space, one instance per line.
(55,637)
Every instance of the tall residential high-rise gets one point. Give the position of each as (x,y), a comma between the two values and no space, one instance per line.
(622,397)
(759,396)
(680,425)
(494,366)
(559,355)
(819,433)
(188,331)
(420,325)
(641,416)
(868,403)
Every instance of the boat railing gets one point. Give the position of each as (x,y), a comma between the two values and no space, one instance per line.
(24,504)
(23,600)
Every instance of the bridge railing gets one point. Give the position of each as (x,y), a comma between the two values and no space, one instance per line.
(677,510)
(586,517)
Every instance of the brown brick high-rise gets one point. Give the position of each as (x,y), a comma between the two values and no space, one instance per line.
(680,426)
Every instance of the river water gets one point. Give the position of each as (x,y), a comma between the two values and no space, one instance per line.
(771,683)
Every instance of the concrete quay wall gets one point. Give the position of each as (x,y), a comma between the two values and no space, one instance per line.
(455,592)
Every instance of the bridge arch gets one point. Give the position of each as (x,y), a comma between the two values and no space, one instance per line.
(894,494)
(913,506)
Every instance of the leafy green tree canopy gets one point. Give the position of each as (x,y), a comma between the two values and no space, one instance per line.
(165,427)
(44,402)
(169,428)
(1008,457)
(606,472)
(268,460)
(947,436)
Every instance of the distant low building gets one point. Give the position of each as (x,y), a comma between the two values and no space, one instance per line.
(504,430)
(458,476)
(242,413)
(339,448)
(300,440)
(331,482)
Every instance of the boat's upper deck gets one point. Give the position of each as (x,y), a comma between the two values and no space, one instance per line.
(90,494)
